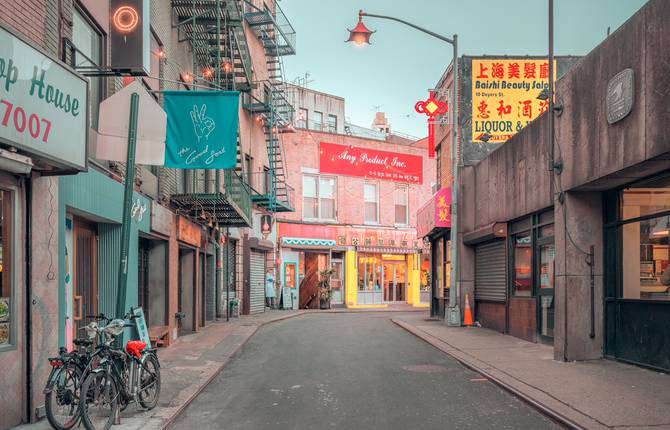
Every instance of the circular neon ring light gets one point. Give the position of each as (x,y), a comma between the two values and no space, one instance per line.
(125,19)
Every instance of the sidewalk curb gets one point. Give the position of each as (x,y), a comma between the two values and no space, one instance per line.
(541,407)
(170,421)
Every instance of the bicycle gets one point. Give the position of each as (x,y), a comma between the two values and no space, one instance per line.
(61,392)
(121,377)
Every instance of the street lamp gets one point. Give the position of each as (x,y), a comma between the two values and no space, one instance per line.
(360,36)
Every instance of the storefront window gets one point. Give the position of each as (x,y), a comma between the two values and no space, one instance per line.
(369,272)
(7,308)
(523,258)
(646,259)
(547,265)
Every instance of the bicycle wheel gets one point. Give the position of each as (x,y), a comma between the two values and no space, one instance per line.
(62,398)
(99,402)
(150,382)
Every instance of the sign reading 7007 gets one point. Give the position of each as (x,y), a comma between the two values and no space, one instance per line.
(43,105)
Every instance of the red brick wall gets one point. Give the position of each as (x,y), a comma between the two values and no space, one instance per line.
(301,149)
(38,20)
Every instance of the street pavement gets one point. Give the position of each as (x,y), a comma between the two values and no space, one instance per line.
(351,371)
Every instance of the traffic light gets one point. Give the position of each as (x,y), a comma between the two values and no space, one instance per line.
(130,36)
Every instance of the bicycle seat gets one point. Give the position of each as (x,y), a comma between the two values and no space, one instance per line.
(135,347)
(83,342)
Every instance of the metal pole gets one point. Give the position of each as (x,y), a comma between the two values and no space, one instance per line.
(127,205)
(227,272)
(454,317)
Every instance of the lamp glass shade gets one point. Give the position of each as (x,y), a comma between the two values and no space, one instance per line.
(360,35)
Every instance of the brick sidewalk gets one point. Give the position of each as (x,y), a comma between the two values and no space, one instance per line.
(188,366)
(596,394)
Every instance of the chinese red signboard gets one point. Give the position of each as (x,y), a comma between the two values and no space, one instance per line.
(435,213)
(370,163)
(504,96)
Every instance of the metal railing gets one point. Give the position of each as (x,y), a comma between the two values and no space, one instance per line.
(238,192)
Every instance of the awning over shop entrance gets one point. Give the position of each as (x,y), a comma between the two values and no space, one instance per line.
(304,242)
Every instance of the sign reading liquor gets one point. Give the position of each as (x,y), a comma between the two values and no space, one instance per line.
(504,96)
(43,105)
(370,163)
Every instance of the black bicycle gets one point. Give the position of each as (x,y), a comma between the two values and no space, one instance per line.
(68,369)
(121,377)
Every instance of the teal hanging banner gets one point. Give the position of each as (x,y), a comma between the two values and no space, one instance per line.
(201,129)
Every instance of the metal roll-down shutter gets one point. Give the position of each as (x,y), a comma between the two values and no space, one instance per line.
(257,279)
(490,273)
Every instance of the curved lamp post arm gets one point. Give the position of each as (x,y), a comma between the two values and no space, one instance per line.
(444,38)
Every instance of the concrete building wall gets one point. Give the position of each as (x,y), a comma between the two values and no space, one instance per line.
(311,100)
(513,181)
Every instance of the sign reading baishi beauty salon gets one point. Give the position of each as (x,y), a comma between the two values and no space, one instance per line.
(370,163)
(43,105)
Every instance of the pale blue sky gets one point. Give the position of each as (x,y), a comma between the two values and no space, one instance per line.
(402,63)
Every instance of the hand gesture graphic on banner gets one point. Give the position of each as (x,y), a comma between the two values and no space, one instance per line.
(202,124)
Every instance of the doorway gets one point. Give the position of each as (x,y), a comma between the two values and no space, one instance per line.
(546,252)
(85,285)
(186,296)
(395,281)
(337,282)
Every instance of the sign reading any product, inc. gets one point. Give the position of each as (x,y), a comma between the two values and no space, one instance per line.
(370,163)
(504,96)
(43,105)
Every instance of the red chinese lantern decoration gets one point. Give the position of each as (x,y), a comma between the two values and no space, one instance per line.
(431,108)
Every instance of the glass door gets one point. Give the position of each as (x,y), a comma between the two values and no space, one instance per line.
(395,280)
(336,283)
(546,252)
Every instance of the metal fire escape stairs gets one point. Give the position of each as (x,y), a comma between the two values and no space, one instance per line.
(269,101)
(221,61)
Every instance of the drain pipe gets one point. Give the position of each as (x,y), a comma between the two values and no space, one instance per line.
(29,303)
(591,263)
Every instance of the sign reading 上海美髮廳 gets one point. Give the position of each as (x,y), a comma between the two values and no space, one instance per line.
(505,96)
(201,129)
(43,105)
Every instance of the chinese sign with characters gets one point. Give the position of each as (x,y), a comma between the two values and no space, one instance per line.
(504,96)
(369,163)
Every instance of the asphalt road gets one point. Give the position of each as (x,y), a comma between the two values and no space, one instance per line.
(351,371)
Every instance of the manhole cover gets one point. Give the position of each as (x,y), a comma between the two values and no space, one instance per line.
(425,368)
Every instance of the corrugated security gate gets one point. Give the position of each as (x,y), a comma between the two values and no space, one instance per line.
(490,274)
(257,280)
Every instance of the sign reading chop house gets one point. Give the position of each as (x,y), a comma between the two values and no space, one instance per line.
(43,105)
(370,163)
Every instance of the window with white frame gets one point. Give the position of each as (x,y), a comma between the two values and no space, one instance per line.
(318,120)
(371,197)
(88,41)
(319,197)
(332,123)
(401,200)
(303,118)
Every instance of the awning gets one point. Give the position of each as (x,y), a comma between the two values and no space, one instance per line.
(305,242)
(386,250)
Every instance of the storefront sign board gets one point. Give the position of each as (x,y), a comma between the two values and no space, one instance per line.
(188,232)
(370,163)
(504,96)
(43,105)
(161,219)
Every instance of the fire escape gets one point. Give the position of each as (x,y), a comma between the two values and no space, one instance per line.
(221,61)
(268,102)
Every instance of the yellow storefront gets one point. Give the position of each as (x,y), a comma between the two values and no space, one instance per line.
(377,278)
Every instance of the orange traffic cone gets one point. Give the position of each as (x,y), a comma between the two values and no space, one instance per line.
(468,320)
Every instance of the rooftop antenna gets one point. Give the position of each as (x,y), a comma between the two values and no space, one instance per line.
(608,31)
(377,107)
(303,81)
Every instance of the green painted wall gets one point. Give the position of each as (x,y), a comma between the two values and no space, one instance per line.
(98,198)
